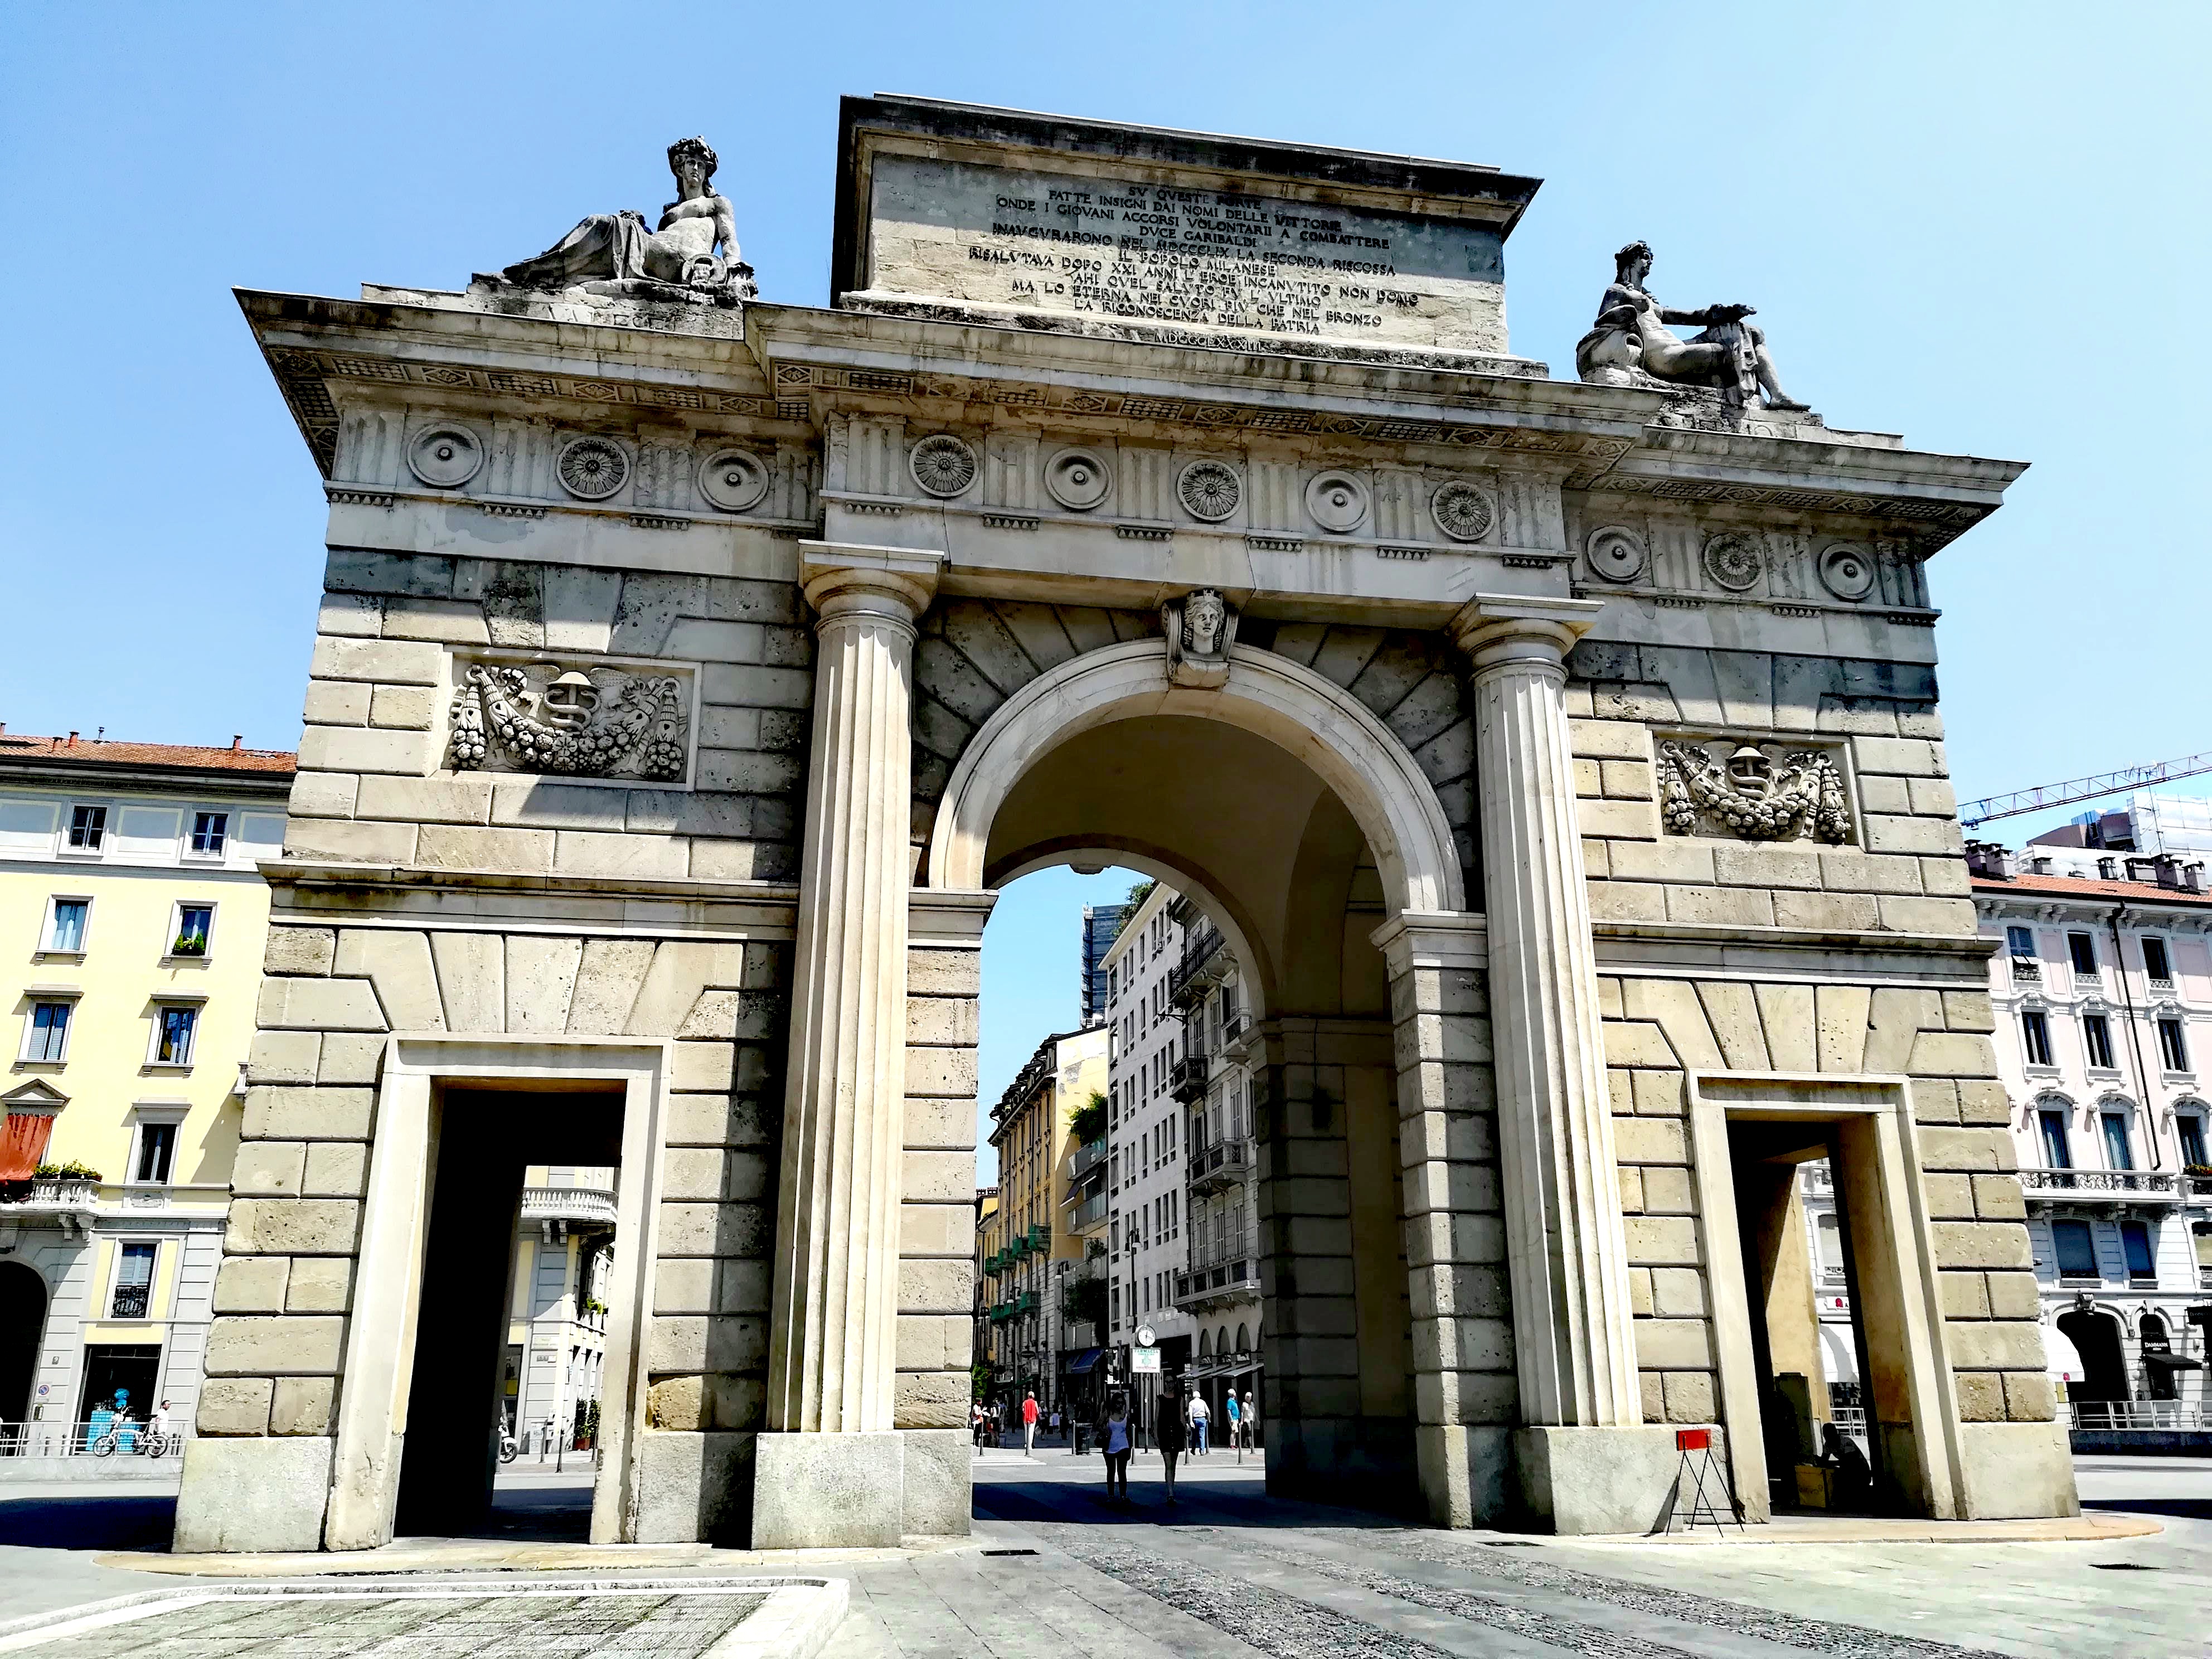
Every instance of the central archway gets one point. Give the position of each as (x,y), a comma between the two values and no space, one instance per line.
(1296,822)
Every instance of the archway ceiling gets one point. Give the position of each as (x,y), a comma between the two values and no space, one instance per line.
(1212,800)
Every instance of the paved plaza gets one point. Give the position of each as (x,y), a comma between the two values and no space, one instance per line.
(1055,1570)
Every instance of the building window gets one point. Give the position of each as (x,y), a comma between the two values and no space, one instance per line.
(2097,1038)
(2134,1240)
(2021,941)
(209,831)
(2058,1152)
(2189,1129)
(2173,1049)
(195,927)
(2119,1154)
(2035,1034)
(134,1281)
(157,1151)
(66,920)
(87,827)
(2156,965)
(174,1028)
(2083,950)
(2077,1252)
(46,1033)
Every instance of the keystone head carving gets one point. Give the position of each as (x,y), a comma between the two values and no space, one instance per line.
(1200,628)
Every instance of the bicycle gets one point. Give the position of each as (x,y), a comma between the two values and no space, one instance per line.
(144,1442)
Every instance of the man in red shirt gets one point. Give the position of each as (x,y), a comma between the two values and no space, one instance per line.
(1029,1425)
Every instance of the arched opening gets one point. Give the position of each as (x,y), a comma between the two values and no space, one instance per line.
(1291,826)
(2096,1339)
(22,1324)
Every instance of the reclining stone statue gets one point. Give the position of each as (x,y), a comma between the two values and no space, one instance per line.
(614,255)
(1630,344)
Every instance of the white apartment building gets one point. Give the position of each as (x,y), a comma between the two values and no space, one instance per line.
(1184,1244)
(2102,988)
(556,1338)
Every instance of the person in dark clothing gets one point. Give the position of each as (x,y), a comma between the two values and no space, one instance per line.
(1168,1416)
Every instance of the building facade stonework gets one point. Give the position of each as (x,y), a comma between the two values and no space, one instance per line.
(1145,498)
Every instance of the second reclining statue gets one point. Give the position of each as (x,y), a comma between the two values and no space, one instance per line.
(1629,344)
(614,256)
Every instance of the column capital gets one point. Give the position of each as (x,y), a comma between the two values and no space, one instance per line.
(1495,628)
(897,582)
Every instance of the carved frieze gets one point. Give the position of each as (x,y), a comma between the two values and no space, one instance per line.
(1463,512)
(592,469)
(943,465)
(1754,792)
(1199,629)
(597,720)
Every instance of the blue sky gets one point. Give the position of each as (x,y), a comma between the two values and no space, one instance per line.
(1978,225)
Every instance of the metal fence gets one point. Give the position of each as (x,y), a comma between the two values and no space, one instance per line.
(2144,1416)
(130,1441)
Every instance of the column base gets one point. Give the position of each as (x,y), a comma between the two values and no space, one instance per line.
(1600,1481)
(252,1494)
(2016,1471)
(814,1491)
(1466,1473)
(939,1498)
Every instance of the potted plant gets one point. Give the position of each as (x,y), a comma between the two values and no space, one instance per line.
(189,944)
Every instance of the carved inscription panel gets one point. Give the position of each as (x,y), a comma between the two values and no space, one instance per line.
(1115,250)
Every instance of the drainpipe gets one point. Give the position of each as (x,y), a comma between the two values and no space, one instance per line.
(2134,1042)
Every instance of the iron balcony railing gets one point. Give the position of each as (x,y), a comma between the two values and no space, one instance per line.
(1186,1078)
(1198,953)
(130,1302)
(2027,968)
(2125,1184)
(1223,1163)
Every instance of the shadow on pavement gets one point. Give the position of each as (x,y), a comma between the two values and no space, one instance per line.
(1200,1503)
(2182,1508)
(96,1521)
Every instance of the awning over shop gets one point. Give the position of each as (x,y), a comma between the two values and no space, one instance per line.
(2060,1356)
(2172,1362)
(1839,1355)
(1084,1361)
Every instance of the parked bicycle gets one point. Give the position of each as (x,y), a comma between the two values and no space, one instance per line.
(144,1442)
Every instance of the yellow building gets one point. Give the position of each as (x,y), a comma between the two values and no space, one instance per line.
(132,923)
(1034,1252)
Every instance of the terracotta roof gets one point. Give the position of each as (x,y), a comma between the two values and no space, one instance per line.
(2089,887)
(78,751)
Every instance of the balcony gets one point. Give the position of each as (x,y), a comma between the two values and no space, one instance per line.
(591,1206)
(1090,1215)
(1224,1270)
(1187,1079)
(1088,1157)
(2106,1186)
(1224,1164)
(2161,987)
(61,1202)
(1236,1034)
(2027,969)
(1203,964)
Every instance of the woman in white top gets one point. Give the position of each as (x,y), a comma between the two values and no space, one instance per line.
(1114,1440)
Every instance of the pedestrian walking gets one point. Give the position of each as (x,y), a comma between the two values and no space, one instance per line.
(1114,1440)
(1198,1416)
(1250,1419)
(1170,1436)
(1055,1422)
(1229,1417)
(1029,1425)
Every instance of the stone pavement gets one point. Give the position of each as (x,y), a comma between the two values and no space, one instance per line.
(1228,1571)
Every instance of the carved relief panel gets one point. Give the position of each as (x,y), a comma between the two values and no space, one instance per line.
(606,721)
(1769,792)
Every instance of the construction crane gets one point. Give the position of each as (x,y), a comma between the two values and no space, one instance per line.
(2079,789)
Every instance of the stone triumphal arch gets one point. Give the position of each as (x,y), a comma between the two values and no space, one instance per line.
(1562,758)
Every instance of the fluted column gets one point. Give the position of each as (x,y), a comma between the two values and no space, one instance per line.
(1574,1342)
(835,1316)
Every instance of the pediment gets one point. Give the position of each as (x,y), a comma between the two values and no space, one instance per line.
(35,1095)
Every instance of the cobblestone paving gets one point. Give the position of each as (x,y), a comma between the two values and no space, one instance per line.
(1526,1568)
(1293,1627)
(506,1627)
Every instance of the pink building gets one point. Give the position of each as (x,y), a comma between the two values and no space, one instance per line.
(2101,983)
